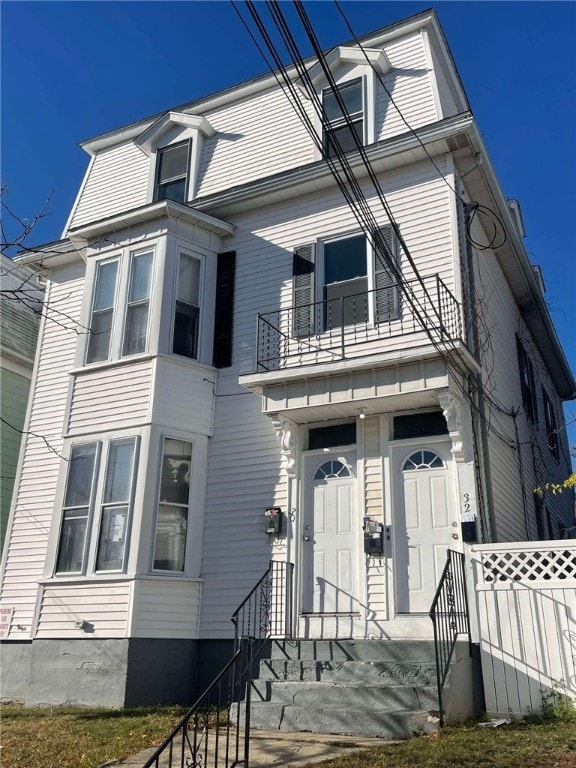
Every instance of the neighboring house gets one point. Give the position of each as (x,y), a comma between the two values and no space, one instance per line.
(20,310)
(247,342)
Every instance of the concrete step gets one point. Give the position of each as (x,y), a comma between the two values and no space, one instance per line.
(376,672)
(400,724)
(355,696)
(354,650)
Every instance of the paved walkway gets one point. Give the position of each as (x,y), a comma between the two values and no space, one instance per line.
(270,749)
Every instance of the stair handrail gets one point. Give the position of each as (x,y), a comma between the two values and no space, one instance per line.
(268,609)
(450,618)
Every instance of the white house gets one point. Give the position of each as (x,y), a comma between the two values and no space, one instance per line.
(378,365)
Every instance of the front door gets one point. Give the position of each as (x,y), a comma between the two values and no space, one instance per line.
(423,522)
(329,536)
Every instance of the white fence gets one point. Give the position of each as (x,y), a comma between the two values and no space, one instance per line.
(525,595)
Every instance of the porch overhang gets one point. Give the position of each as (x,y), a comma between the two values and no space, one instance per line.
(379,383)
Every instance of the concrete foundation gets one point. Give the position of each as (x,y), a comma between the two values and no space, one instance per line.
(15,670)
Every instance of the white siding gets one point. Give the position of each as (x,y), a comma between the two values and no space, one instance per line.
(500,320)
(255,137)
(410,85)
(244,475)
(110,398)
(184,393)
(102,605)
(374,508)
(117,182)
(167,608)
(34,496)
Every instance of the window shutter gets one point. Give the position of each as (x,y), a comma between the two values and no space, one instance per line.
(387,294)
(303,290)
(224,312)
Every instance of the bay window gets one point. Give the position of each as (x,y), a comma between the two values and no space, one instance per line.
(173,505)
(187,307)
(110,492)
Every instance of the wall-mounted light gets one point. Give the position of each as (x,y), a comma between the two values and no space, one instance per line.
(82,624)
(362,413)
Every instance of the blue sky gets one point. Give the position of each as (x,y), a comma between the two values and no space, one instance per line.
(72,70)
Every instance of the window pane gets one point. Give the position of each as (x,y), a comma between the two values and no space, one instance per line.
(119,471)
(342,139)
(72,539)
(351,95)
(105,285)
(345,259)
(80,473)
(176,464)
(188,279)
(140,277)
(173,162)
(112,539)
(185,330)
(170,544)
(100,334)
(136,329)
(173,190)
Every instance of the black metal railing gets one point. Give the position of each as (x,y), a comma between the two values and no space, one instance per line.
(266,611)
(215,732)
(450,617)
(351,326)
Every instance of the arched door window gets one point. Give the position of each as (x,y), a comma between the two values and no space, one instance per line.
(331,469)
(422,460)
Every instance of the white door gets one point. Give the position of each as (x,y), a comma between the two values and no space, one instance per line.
(329,536)
(424,522)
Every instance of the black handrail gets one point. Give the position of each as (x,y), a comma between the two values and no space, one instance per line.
(215,732)
(207,735)
(450,618)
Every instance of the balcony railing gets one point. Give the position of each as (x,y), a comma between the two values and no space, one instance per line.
(354,326)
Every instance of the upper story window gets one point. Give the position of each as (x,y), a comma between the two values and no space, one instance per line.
(187,307)
(527,382)
(121,283)
(172,167)
(345,282)
(342,132)
(107,488)
(550,425)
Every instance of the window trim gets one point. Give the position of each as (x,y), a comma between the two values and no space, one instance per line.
(181,250)
(125,259)
(157,158)
(95,515)
(341,121)
(187,554)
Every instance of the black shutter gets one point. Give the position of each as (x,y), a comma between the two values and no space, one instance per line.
(386,278)
(303,291)
(224,312)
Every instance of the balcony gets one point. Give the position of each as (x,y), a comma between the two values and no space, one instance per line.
(414,314)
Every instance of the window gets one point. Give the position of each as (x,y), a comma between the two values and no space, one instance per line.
(173,503)
(125,281)
(550,425)
(76,510)
(420,425)
(116,505)
(332,469)
(527,382)
(172,164)
(102,316)
(340,131)
(136,327)
(345,282)
(187,310)
(327,437)
(422,460)
(83,489)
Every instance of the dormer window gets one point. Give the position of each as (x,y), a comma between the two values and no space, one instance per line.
(342,132)
(172,165)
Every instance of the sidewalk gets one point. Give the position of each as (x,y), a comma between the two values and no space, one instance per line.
(270,749)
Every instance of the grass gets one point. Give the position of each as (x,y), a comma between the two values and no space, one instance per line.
(87,738)
(73,737)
